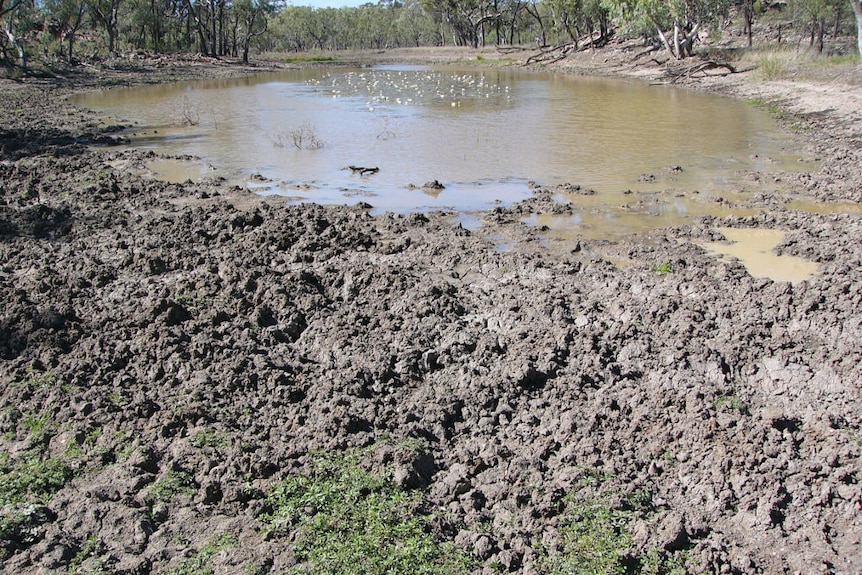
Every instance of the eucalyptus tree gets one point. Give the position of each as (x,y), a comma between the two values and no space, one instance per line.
(541,13)
(253,17)
(17,21)
(856,5)
(816,15)
(578,18)
(466,18)
(67,16)
(106,14)
(415,26)
(676,23)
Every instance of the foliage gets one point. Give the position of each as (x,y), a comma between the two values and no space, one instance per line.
(175,482)
(664,267)
(675,22)
(32,480)
(209,438)
(62,30)
(348,520)
(731,401)
(595,533)
(198,563)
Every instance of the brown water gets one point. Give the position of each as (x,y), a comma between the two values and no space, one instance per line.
(655,155)
(753,247)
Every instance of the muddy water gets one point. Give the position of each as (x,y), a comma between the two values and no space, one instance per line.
(483,134)
(754,248)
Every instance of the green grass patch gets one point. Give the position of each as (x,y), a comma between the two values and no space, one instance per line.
(175,482)
(209,438)
(39,428)
(199,562)
(594,535)
(347,520)
(32,480)
(596,538)
(731,401)
(663,267)
(770,107)
(39,379)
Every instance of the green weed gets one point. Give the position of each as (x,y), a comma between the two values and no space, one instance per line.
(348,520)
(33,480)
(198,563)
(39,379)
(595,531)
(209,438)
(658,563)
(732,401)
(664,267)
(594,535)
(39,428)
(92,547)
(176,482)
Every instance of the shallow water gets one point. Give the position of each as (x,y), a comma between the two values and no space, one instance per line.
(655,155)
(753,247)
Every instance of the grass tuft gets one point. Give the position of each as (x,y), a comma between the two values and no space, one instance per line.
(347,520)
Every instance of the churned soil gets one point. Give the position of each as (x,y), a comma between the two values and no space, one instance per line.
(153,331)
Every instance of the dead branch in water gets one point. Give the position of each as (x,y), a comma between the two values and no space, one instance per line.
(363,171)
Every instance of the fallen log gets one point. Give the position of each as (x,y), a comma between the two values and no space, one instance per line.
(702,68)
(363,171)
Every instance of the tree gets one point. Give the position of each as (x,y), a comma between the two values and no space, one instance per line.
(816,14)
(675,22)
(107,14)
(466,18)
(253,15)
(68,16)
(11,12)
(414,25)
(856,5)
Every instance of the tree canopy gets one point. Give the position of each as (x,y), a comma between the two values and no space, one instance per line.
(72,30)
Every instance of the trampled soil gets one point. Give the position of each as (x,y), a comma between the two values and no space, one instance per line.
(150,331)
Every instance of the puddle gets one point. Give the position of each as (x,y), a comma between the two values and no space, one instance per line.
(178,171)
(753,247)
(601,216)
(825,208)
(467,221)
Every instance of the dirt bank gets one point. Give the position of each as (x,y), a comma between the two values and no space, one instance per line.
(171,354)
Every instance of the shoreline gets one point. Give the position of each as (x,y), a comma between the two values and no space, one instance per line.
(173,352)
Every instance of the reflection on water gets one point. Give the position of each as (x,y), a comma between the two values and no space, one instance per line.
(754,248)
(651,153)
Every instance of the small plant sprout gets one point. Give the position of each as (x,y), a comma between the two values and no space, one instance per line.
(664,267)
(302,138)
(189,113)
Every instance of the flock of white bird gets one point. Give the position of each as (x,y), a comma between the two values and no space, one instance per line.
(409,87)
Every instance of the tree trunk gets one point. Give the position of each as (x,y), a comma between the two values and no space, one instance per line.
(13,40)
(857,12)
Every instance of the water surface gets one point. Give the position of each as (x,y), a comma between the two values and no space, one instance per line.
(754,248)
(485,134)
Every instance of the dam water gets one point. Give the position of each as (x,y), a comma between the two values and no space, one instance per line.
(653,155)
